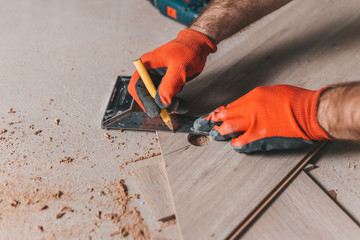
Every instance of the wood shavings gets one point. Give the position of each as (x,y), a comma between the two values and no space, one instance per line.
(66,160)
(11,110)
(309,167)
(60,215)
(147,155)
(12,123)
(137,196)
(2,130)
(98,214)
(166,224)
(107,136)
(14,203)
(42,207)
(130,222)
(56,121)
(113,217)
(58,195)
(35,178)
(332,194)
(350,166)
(67,209)
(37,132)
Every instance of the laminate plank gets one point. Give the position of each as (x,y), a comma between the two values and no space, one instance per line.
(153,183)
(274,193)
(214,188)
(303,211)
(308,44)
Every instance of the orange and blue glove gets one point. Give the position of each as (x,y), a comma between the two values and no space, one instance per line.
(170,67)
(267,118)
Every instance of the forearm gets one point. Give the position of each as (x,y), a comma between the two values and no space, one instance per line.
(223,18)
(339,111)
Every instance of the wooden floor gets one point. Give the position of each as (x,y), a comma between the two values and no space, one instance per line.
(309,44)
(303,211)
(214,188)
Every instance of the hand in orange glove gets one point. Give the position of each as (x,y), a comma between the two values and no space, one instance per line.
(267,118)
(170,67)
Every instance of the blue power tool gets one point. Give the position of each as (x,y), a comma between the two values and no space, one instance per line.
(183,11)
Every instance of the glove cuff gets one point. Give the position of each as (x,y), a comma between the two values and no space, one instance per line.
(305,105)
(198,42)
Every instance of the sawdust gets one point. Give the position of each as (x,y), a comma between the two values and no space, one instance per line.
(98,214)
(198,140)
(146,156)
(56,121)
(2,130)
(332,194)
(129,221)
(166,224)
(37,132)
(66,160)
(41,228)
(58,195)
(309,167)
(351,166)
(13,123)
(11,110)
(35,178)
(107,136)
(67,209)
(60,215)
(14,203)
(42,207)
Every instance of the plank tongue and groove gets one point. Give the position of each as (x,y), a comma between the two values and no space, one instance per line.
(303,211)
(214,188)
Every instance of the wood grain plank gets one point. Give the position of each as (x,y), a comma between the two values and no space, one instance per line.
(275,192)
(308,44)
(303,211)
(153,183)
(214,188)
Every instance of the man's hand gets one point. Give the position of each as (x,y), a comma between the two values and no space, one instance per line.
(267,118)
(170,67)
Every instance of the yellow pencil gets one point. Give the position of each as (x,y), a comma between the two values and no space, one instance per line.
(152,90)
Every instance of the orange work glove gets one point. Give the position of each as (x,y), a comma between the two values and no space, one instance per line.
(267,118)
(170,67)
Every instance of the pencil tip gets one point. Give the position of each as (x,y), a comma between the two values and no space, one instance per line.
(170,126)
